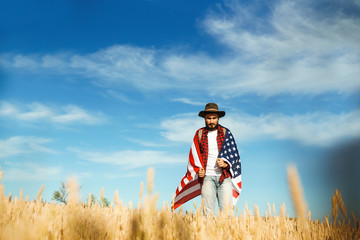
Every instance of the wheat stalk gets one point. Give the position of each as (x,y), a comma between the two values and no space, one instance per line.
(296,191)
(354,218)
(274,210)
(116,197)
(334,208)
(283,210)
(38,197)
(298,200)
(269,209)
(102,194)
(140,194)
(1,193)
(89,200)
(172,201)
(341,203)
(327,220)
(150,180)
(256,211)
(21,195)
(73,187)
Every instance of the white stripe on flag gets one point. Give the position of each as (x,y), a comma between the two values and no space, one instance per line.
(188,191)
(195,155)
(186,181)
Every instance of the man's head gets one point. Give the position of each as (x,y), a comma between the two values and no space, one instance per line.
(211,114)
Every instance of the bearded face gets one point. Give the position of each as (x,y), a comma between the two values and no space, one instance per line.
(211,121)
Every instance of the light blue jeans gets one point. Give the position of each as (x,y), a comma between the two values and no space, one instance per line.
(212,190)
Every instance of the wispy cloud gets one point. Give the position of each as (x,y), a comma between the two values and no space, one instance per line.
(318,129)
(24,145)
(129,159)
(34,112)
(123,175)
(299,49)
(186,125)
(188,101)
(118,95)
(302,51)
(147,143)
(31,171)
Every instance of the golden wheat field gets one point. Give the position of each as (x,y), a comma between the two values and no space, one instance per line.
(24,219)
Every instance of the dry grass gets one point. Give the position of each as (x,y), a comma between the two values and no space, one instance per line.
(36,220)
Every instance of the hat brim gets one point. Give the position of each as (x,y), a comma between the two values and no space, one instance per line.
(203,113)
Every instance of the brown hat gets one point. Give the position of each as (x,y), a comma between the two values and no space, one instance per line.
(211,108)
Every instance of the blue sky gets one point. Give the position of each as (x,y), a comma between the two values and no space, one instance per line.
(103,90)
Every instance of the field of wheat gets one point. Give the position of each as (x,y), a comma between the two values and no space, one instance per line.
(24,219)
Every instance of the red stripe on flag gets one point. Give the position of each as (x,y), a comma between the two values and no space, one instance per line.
(183,183)
(197,147)
(191,158)
(235,194)
(192,154)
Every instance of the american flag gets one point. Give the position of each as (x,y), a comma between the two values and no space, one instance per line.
(189,186)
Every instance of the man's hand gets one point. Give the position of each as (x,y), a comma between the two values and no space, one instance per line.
(201,172)
(221,163)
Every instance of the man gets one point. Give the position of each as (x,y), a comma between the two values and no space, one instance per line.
(214,168)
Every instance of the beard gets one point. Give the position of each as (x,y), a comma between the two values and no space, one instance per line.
(211,127)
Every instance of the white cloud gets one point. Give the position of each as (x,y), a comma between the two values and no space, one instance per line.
(31,171)
(181,128)
(126,175)
(294,49)
(147,143)
(21,61)
(129,159)
(69,114)
(24,145)
(119,95)
(319,129)
(188,101)
(291,29)
(121,64)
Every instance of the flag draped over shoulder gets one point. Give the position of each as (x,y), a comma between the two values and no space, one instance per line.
(189,186)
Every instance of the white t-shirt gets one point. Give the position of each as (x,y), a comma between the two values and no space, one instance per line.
(212,169)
